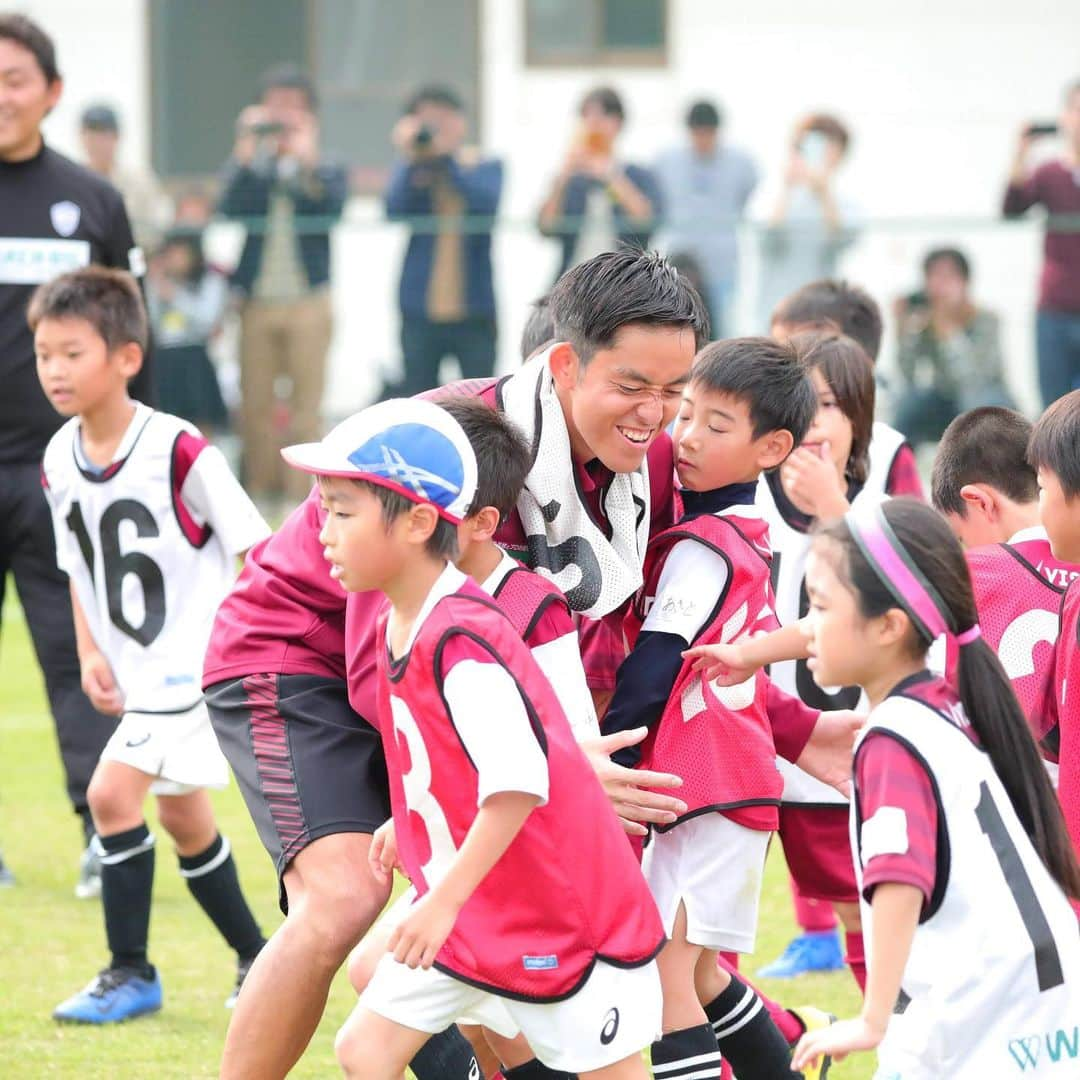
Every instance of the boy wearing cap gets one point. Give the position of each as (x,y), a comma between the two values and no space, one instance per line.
(486,782)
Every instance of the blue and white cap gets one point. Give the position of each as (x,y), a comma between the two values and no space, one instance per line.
(410,446)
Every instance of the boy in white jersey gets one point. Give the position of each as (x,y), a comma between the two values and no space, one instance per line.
(148,522)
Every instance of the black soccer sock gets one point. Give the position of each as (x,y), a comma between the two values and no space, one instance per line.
(446,1056)
(747,1035)
(127,883)
(536,1070)
(211,877)
(689,1050)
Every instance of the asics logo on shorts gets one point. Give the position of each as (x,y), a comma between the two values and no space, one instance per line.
(610,1028)
(474,1070)
(132,743)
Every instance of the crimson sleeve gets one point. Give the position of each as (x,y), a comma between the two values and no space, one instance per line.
(904,476)
(1021,197)
(898,836)
(791,721)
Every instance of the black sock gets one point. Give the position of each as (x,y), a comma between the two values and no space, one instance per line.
(689,1050)
(747,1036)
(127,882)
(536,1070)
(211,877)
(448,1054)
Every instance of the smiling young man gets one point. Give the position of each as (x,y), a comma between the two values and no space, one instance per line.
(54,216)
(594,407)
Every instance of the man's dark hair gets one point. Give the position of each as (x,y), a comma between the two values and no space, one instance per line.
(100,117)
(767,376)
(1055,443)
(592,301)
(607,99)
(539,328)
(441,544)
(703,114)
(289,77)
(109,300)
(503,456)
(834,305)
(948,254)
(983,446)
(435,94)
(843,364)
(30,36)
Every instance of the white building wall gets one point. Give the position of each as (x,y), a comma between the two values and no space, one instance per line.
(934,94)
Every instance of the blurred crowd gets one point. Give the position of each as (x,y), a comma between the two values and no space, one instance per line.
(689,201)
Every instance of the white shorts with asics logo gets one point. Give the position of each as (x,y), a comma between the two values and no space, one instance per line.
(614,1014)
(179,749)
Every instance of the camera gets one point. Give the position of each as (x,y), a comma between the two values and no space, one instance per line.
(267,128)
(1035,131)
(424,137)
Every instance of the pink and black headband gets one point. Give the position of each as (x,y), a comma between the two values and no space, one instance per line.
(897,571)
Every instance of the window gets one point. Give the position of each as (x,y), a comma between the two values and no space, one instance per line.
(590,32)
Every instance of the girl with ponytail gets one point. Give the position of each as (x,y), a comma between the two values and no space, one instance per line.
(963,860)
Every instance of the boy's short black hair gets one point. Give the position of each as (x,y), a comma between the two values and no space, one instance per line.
(107,299)
(592,301)
(435,94)
(289,77)
(539,327)
(767,376)
(441,544)
(30,36)
(983,446)
(834,305)
(1055,443)
(503,456)
(703,114)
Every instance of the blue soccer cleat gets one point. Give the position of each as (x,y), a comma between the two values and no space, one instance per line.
(7,878)
(115,994)
(815,951)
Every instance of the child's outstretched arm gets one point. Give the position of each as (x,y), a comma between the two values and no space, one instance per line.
(896,908)
(419,937)
(736,661)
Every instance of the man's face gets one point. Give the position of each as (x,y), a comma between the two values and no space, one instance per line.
(704,140)
(447,123)
(1070,120)
(100,148)
(945,284)
(26,97)
(627,394)
(286,105)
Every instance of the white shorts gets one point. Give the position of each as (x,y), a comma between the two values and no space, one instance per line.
(616,1012)
(714,867)
(180,749)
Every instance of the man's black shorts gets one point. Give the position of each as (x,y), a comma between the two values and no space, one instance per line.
(307,765)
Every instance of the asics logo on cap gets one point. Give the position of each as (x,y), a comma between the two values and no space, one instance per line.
(397,468)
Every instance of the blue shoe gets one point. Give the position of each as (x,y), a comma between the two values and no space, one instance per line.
(7,878)
(115,994)
(816,951)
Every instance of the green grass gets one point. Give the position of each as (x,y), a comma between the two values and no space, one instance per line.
(51,944)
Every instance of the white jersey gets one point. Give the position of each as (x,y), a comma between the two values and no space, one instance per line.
(150,544)
(885,443)
(991,987)
(790,549)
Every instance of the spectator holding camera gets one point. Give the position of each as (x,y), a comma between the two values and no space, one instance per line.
(289,197)
(949,350)
(597,201)
(1054,185)
(449,194)
(706,185)
(811,223)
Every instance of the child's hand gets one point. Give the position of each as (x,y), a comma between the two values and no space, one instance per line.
(838,1040)
(421,934)
(726,664)
(99,684)
(811,481)
(383,853)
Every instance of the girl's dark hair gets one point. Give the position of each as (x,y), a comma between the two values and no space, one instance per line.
(192,241)
(847,370)
(985,690)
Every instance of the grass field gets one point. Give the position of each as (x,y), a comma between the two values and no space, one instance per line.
(51,944)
